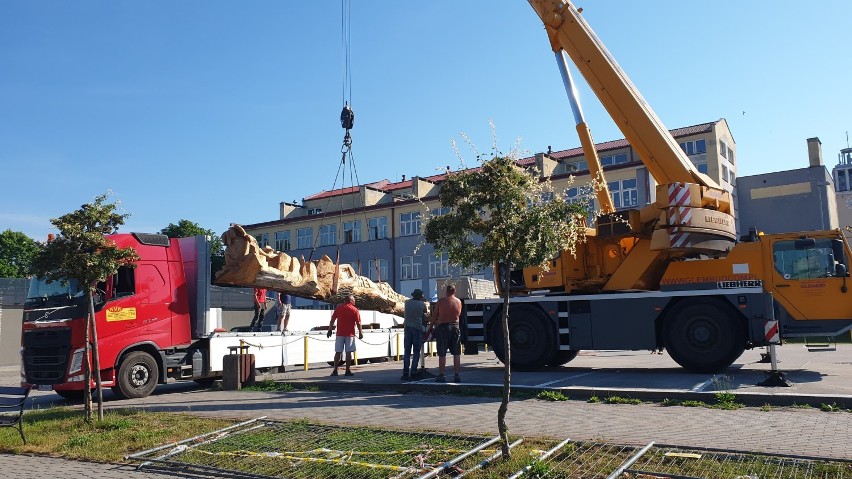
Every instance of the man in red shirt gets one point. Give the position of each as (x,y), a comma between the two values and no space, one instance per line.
(348,317)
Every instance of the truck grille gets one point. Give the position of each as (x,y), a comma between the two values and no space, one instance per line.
(46,354)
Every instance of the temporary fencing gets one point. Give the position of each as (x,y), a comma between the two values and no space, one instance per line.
(298,449)
(593,460)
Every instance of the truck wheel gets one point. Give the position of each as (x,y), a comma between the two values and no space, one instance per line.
(563,357)
(531,335)
(137,376)
(704,336)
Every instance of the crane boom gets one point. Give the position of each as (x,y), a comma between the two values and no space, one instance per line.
(658,150)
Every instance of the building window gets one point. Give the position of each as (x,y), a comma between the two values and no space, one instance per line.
(304,238)
(409,223)
(328,235)
(702,167)
(377,228)
(352,231)
(439,265)
(262,239)
(439,211)
(724,173)
(410,267)
(624,193)
(842,184)
(730,155)
(723,149)
(581,165)
(610,160)
(581,195)
(694,147)
(282,241)
(732,176)
(314,211)
(378,269)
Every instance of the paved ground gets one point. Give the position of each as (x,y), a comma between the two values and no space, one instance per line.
(375,396)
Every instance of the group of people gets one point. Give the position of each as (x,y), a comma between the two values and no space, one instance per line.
(283,304)
(442,325)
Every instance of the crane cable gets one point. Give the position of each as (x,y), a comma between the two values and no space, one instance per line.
(347,122)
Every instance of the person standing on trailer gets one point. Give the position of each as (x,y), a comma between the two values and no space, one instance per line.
(445,320)
(284,305)
(259,309)
(416,317)
(347,317)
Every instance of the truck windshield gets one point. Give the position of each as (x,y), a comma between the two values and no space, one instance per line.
(54,301)
(41,290)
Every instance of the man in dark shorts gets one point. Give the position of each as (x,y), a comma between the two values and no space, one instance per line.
(445,320)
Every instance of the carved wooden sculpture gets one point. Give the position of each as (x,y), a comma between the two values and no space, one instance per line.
(248,265)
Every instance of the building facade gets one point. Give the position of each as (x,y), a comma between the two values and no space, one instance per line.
(842,174)
(377,226)
(787,201)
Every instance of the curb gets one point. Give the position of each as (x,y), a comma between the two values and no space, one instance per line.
(778,399)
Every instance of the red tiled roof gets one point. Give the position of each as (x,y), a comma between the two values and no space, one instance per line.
(386,185)
(378,185)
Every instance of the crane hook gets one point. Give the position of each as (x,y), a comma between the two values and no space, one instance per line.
(347,117)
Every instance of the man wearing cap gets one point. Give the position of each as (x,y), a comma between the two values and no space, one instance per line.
(416,318)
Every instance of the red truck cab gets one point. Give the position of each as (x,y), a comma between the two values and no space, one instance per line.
(143,316)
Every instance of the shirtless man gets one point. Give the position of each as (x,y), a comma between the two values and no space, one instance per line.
(445,320)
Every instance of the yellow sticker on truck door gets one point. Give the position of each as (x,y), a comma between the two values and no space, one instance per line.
(117,313)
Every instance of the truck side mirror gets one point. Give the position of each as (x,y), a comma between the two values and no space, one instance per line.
(840,270)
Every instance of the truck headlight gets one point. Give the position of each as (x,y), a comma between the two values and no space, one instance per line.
(76,361)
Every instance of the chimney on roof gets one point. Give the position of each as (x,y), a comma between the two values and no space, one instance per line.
(814,151)
(448,168)
(403,177)
(549,150)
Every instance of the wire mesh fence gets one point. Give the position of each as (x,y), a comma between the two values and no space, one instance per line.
(263,448)
(591,460)
(300,449)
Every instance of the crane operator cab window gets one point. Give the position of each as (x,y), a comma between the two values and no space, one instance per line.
(809,258)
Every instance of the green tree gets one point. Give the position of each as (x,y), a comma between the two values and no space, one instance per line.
(186,228)
(17,251)
(82,252)
(501,213)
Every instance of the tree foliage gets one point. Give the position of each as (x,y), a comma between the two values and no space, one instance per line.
(81,251)
(17,251)
(185,228)
(501,212)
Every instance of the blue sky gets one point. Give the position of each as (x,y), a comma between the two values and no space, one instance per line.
(216,111)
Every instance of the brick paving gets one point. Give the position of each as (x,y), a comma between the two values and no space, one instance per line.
(790,431)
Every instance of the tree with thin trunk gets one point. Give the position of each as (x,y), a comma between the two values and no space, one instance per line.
(504,214)
(82,253)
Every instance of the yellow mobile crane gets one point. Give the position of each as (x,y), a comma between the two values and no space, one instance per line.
(671,274)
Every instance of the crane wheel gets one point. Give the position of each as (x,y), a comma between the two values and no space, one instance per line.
(138,375)
(563,357)
(532,337)
(704,335)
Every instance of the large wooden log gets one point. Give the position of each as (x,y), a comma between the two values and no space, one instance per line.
(248,265)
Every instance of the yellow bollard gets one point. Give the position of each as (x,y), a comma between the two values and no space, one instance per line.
(397,346)
(355,357)
(306,352)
